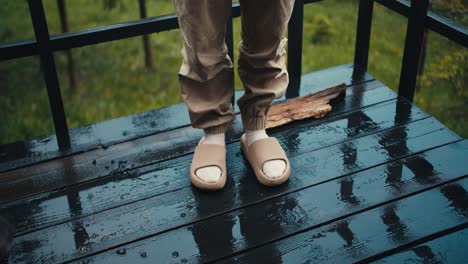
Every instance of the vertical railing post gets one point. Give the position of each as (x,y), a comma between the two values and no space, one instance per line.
(363,33)
(295,34)
(230,44)
(413,47)
(41,31)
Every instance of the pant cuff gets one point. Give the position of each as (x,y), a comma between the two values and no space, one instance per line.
(217,129)
(255,123)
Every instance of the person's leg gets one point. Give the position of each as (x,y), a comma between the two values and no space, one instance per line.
(262,66)
(206,76)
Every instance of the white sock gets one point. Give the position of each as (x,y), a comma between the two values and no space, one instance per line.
(218,138)
(211,173)
(272,168)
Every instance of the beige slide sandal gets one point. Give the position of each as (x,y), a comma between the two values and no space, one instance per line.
(208,155)
(263,150)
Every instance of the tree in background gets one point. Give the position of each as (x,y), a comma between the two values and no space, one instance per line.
(453,9)
(64,26)
(146,41)
(451,68)
(110,4)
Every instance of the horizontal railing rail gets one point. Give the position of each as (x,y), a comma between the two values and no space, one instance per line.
(437,23)
(44,45)
(63,41)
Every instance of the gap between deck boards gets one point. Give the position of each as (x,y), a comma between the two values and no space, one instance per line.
(262,218)
(397,218)
(319,141)
(379,124)
(450,248)
(411,142)
(131,156)
(118,130)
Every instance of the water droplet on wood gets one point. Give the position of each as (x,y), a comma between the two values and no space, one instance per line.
(121,251)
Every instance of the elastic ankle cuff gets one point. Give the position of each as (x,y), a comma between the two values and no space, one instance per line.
(255,123)
(217,129)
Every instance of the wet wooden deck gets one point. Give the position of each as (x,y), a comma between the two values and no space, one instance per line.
(377,179)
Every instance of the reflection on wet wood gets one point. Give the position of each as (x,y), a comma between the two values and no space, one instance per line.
(110,132)
(374,179)
(168,176)
(447,249)
(314,105)
(137,154)
(370,233)
(310,168)
(288,214)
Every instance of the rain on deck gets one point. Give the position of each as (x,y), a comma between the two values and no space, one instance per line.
(377,179)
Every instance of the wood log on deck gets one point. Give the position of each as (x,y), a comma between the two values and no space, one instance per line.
(313,105)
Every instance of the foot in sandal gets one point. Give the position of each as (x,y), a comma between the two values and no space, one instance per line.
(272,168)
(208,167)
(266,157)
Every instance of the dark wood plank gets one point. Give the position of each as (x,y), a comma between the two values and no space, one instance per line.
(109,132)
(167,176)
(102,134)
(134,221)
(447,249)
(363,236)
(138,153)
(283,216)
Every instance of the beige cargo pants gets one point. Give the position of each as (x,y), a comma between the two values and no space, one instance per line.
(206,76)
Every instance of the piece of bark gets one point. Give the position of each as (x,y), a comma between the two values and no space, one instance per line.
(314,105)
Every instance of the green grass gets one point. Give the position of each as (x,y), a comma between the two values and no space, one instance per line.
(113,80)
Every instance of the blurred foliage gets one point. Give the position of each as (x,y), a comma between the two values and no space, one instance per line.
(450,71)
(321,28)
(111,4)
(113,80)
(453,9)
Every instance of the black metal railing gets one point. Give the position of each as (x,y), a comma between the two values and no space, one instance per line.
(419,18)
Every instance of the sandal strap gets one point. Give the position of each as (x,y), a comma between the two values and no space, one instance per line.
(209,155)
(266,149)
